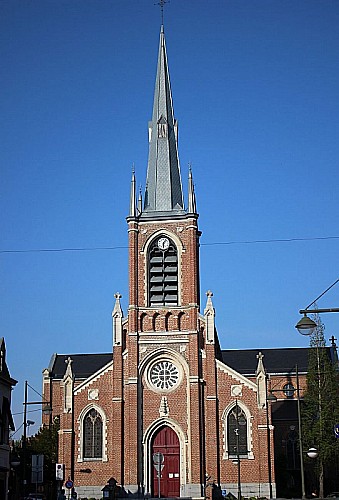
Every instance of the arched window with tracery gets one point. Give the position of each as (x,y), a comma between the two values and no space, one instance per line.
(93,434)
(163,273)
(237,432)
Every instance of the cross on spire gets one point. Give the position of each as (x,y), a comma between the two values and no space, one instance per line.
(333,339)
(161,4)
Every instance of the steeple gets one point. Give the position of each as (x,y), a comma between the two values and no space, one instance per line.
(163,186)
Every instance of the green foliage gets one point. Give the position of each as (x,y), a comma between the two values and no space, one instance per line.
(45,442)
(320,409)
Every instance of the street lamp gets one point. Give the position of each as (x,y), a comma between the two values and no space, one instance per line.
(312,453)
(268,439)
(47,409)
(236,430)
(306,325)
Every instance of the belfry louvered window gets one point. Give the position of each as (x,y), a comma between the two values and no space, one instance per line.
(92,435)
(163,273)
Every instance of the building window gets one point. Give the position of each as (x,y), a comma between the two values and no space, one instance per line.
(292,449)
(237,432)
(163,273)
(289,390)
(164,375)
(93,427)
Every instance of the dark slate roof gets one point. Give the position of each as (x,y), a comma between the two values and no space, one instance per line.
(280,361)
(163,192)
(83,366)
(275,360)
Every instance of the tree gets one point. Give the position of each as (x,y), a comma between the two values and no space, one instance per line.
(320,409)
(45,442)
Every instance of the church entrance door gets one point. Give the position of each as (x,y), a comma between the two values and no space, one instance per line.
(166,442)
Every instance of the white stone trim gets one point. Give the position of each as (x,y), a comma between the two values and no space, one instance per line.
(180,250)
(93,378)
(80,433)
(249,418)
(236,376)
(147,440)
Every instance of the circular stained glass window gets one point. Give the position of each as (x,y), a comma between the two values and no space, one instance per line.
(164,375)
(289,390)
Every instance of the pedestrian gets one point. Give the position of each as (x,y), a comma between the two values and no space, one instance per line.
(62,495)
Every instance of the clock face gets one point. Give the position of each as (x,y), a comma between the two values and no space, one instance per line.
(163,243)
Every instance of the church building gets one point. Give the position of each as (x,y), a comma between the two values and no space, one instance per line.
(168,412)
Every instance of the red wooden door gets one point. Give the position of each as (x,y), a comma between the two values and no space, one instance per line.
(166,442)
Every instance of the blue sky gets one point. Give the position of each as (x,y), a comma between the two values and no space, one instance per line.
(255,88)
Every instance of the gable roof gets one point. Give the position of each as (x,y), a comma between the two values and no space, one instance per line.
(275,360)
(83,365)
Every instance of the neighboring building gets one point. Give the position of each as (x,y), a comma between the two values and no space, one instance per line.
(6,420)
(167,386)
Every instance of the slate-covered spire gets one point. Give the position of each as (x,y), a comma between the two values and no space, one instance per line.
(163,186)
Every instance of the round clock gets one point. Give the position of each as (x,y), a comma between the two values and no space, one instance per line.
(163,243)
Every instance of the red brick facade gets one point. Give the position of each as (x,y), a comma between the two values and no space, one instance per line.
(166,372)
(133,410)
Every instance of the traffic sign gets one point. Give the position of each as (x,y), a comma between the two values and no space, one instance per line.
(158,458)
(336,430)
(69,484)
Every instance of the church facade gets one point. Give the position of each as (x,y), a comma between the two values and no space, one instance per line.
(168,412)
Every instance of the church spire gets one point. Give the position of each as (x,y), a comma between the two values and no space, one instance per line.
(163,186)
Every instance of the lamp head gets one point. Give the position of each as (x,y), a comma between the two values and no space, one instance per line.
(312,453)
(306,325)
(271,397)
(47,409)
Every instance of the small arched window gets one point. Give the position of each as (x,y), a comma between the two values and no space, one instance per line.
(292,449)
(163,273)
(237,432)
(92,429)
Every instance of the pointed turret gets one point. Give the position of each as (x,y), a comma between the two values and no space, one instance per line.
(139,205)
(192,206)
(209,314)
(261,382)
(132,211)
(163,187)
(117,316)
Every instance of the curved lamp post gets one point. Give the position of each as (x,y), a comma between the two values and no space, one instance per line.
(306,325)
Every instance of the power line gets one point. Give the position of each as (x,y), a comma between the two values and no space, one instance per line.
(215,243)
(281,240)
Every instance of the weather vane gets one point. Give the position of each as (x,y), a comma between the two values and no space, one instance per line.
(161,3)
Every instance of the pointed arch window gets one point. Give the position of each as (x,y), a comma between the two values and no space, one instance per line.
(93,434)
(292,449)
(237,432)
(163,273)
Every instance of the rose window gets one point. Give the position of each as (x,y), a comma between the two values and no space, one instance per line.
(164,375)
